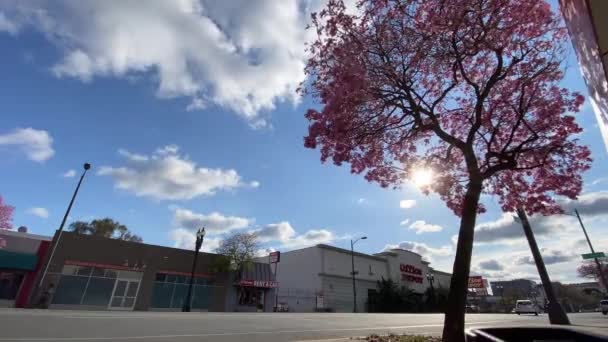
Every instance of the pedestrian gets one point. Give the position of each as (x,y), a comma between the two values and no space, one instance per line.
(45,298)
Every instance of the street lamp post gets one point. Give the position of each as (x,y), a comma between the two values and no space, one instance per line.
(200,235)
(86,167)
(597,262)
(352,254)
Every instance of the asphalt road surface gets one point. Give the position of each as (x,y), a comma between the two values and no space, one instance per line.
(43,325)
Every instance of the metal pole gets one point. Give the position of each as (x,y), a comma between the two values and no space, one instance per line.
(87,166)
(186,306)
(555,310)
(597,261)
(352,254)
(276,289)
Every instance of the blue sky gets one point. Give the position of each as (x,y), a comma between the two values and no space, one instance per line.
(115,93)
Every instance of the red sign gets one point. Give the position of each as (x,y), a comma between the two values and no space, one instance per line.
(126,267)
(476,282)
(411,278)
(275,257)
(411,273)
(258,283)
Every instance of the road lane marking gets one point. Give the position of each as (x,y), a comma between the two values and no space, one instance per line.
(229,333)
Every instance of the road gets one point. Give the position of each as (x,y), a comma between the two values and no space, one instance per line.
(43,325)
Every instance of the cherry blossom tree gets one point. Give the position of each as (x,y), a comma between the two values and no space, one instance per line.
(467,88)
(6,217)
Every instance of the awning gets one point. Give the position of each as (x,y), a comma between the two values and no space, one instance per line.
(18,261)
(257,275)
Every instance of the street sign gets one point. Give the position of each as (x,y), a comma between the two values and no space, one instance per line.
(275,257)
(594,255)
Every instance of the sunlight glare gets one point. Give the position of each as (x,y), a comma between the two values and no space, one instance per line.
(422,177)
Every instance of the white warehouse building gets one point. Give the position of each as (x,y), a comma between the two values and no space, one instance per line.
(319,277)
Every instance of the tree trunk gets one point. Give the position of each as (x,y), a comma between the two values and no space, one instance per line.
(453,329)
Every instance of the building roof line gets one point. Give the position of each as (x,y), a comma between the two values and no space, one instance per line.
(348,251)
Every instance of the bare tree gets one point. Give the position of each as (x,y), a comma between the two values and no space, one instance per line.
(240,249)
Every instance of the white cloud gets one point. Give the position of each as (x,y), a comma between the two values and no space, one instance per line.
(406,204)
(550,257)
(69,173)
(404,222)
(185,239)
(423,227)
(264,252)
(421,248)
(588,204)
(591,205)
(505,228)
(169,149)
(7,25)
(214,223)
(169,176)
(310,238)
(361,201)
(491,265)
(254,184)
(284,233)
(243,55)
(38,211)
(36,144)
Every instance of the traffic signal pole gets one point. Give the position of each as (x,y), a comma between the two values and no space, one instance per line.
(597,261)
(555,310)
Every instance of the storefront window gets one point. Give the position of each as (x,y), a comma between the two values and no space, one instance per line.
(99,291)
(70,290)
(98,272)
(200,297)
(85,271)
(179,295)
(86,285)
(9,284)
(251,296)
(161,295)
(170,291)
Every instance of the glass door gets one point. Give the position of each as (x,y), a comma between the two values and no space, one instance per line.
(125,292)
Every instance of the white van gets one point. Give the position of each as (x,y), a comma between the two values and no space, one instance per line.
(526,306)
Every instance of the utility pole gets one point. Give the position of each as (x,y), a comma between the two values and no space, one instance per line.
(555,310)
(352,255)
(597,261)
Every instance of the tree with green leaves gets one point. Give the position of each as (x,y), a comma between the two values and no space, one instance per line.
(106,228)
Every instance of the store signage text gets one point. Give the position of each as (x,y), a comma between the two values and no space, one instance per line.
(258,283)
(476,282)
(411,273)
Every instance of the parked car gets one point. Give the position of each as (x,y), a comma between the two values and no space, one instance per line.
(604,306)
(526,306)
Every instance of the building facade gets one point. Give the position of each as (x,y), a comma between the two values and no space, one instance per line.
(319,277)
(94,273)
(588,29)
(520,288)
(20,262)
